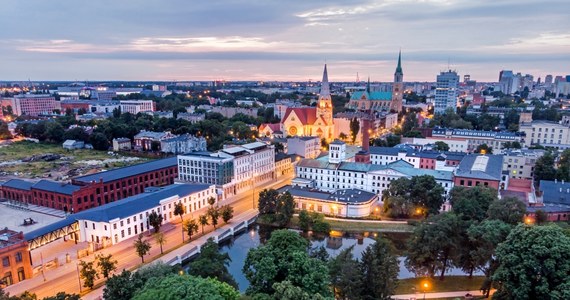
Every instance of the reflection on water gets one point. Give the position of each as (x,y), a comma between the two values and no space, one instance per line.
(238,247)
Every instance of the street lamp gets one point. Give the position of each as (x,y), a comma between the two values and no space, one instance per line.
(425,286)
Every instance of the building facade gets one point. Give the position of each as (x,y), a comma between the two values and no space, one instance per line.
(481,170)
(136,106)
(305,146)
(544,133)
(520,163)
(446,91)
(144,140)
(16,262)
(34,104)
(183,144)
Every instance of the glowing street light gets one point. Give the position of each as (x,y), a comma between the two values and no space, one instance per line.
(425,287)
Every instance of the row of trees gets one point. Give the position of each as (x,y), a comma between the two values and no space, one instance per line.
(545,169)
(103,264)
(31,296)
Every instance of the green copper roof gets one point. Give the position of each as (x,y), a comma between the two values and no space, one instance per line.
(373,96)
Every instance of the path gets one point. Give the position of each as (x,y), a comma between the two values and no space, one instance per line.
(417,296)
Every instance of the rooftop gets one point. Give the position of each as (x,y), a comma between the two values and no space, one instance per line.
(485,167)
(343,196)
(10,237)
(129,171)
(555,192)
(58,187)
(18,184)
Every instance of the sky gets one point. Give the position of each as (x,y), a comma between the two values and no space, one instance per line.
(168,40)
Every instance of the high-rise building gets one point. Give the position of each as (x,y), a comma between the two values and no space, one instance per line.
(34,104)
(548,81)
(446,91)
(508,81)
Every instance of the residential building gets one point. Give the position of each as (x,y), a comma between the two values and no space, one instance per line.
(16,259)
(34,104)
(233,169)
(520,163)
(191,117)
(481,170)
(73,144)
(305,146)
(183,144)
(554,200)
(229,112)
(475,138)
(136,106)
(120,144)
(455,144)
(347,203)
(284,163)
(545,133)
(446,91)
(270,130)
(144,140)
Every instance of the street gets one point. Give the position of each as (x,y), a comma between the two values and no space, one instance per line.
(66,278)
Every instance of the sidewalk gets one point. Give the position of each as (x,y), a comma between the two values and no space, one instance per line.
(459,294)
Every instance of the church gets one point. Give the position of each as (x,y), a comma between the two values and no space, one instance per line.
(312,121)
(381,101)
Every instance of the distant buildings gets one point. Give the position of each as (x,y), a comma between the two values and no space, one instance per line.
(33,104)
(145,140)
(475,138)
(181,144)
(191,117)
(304,146)
(136,106)
(16,259)
(545,133)
(120,144)
(229,112)
(446,91)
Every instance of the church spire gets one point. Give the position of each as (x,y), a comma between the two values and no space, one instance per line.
(325,89)
(399,67)
(368,85)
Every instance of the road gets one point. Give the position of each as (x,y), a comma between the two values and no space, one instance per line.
(65,278)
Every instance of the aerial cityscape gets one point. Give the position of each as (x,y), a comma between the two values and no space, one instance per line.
(285,150)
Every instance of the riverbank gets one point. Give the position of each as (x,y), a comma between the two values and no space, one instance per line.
(351,225)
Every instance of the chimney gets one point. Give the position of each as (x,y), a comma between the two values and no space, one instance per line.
(365,134)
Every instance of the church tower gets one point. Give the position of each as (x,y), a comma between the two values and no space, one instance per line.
(324,105)
(398,86)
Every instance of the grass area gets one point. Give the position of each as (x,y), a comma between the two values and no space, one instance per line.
(54,169)
(357,226)
(449,284)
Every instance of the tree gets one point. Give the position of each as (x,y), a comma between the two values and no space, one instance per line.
(509,210)
(472,203)
(268,201)
(354,126)
(544,168)
(62,296)
(211,201)
(304,220)
(106,264)
(484,149)
(420,193)
(4,131)
(214,214)
(160,239)
(179,211)
(563,170)
(485,237)
(285,208)
(534,263)
(380,268)
(77,133)
(285,290)
(155,146)
(191,227)
(155,220)
(124,285)
(540,216)
(212,263)
(433,244)
(227,213)
(99,141)
(88,274)
(54,132)
(142,247)
(284,257)
(346,276)
(342,136)
(203,220)
(176,287)
(441,146)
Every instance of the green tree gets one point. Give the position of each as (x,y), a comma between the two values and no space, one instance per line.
(354,126)
(191,227)
(62,296)
(212,263)
(484,149)
(485,237)
(4,131)
(99,141)
(214,214)
(304,220)
(441,146)
(420,193)
(179,211)
(433,245)
(203,220)
(211,201)
(380,268)
(142,247)
(509,210)
(227,213)
(342,136)
(54,132)
(346,277)
(160,239)
(77,133)
(176,287)
(534,263)
(540,216)
(124,285)
(285,208)
(106,264)
(563,170)
(472,203)
(285,290)
(268,201)
(284,257)
(88,274)
(155,220)
(544,168)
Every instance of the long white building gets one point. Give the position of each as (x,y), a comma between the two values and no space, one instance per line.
(233,169)
(136,106)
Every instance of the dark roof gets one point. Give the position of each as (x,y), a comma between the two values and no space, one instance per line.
(18,184)
(282,156)
(351,196)
(549,208)
(121,209)
(485,167)
(125,172)
(57,187)
(555,192)
(385,150)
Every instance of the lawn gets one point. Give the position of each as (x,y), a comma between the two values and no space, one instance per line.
(357,226)
(57,169)
(449,284)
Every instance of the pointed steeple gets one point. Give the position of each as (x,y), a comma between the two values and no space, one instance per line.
(325,89)
(399,67)
(368,85)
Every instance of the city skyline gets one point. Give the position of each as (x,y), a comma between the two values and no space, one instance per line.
(244,40)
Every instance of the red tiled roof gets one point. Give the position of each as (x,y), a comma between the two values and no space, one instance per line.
(306,115)
(273,127)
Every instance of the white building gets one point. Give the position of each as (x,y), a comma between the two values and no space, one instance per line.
(183,144)
(121,144)
(520,163)
(136,106)
(305,146)
(475,138)
(446,91)
(233,169)
(545,133)
(455,145)
(121,220)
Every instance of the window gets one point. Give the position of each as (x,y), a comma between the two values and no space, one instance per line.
(18,257)
(6,261)
(115,226)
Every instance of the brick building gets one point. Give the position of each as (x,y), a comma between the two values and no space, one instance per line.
(92,190)
(484,170)
(34,105)
(16,262)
